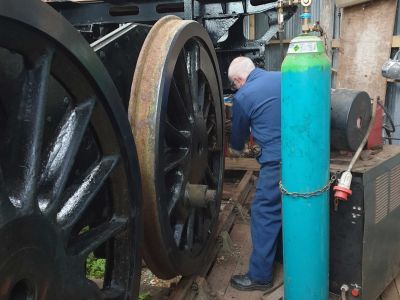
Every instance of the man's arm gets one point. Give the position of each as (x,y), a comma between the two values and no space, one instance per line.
(240,127)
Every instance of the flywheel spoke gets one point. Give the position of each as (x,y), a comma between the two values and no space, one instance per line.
(173,203)
(190,230)
(62,155)
(178,234)
(89,241)
(210,127)
(182,84)
(6,207)
(206,109)
(23,162)
(175,157)
(174,136)
(179,110)
(192,51)
(211,177)
(81,197)
(201,96)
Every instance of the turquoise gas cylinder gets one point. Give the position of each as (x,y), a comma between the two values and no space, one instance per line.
(305,168)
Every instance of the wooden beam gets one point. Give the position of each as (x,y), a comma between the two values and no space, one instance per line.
(336,43)
(327,16)
(272,42)
(241,164)
(252,28)
(395,42)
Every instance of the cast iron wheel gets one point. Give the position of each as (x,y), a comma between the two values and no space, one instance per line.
(176,113)
(69,175)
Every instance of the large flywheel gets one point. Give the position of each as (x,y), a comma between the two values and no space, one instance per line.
(176,113)
(69,176)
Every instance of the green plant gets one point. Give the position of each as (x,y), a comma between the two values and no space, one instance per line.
(144,295)
(95,267)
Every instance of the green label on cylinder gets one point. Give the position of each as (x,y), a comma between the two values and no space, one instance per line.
(303,47)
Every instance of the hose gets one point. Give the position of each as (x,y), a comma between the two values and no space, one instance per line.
(392,128)
(371,125)
(343,291)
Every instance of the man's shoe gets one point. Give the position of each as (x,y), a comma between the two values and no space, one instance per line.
(244,283)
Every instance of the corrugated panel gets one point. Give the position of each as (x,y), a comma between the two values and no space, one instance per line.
(382,197)
(394,188)
(273,57)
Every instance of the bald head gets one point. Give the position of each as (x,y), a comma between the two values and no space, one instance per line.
(239,70)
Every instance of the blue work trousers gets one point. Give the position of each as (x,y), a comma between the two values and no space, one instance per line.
(266,222)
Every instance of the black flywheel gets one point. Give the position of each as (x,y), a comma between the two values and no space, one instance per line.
(69,175)
(176,113)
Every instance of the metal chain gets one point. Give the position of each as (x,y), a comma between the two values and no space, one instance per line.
(308,194)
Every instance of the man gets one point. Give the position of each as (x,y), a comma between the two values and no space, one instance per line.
(257,105)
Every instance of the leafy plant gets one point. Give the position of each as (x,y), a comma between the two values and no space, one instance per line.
(95,267)
(144,296)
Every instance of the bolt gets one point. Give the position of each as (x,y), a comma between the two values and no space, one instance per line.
(195,286)
(344,288)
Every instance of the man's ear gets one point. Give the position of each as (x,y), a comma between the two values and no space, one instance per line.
(242,81)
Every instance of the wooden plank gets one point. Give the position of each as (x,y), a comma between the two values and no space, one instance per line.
(278,42)
(241,164)
(390,293)
(222,271)
(335,43)
(363,51)
(184,290)
(252,28)
(397,282)
(229,190)
(327,16)
(395,42)
(241,237)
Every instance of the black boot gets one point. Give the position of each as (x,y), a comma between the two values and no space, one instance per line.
(244,283)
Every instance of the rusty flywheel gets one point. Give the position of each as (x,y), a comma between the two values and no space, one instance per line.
(176,114)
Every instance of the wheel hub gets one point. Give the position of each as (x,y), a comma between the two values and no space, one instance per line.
(28,244)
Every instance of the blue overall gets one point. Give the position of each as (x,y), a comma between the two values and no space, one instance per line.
(257,105)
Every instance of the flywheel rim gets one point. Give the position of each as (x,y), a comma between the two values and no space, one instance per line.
(172,46)
(51,215)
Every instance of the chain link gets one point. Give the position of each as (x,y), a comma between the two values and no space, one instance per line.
(308,194)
